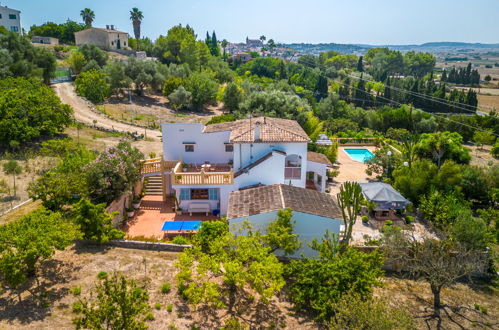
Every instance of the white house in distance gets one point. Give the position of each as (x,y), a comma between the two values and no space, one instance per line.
(108,38)
(10,19)
(314,213)
(201,164)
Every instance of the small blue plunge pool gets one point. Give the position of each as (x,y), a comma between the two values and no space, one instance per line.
(360,155)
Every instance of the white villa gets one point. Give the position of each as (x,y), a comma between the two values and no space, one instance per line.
(10,19)
(202,165)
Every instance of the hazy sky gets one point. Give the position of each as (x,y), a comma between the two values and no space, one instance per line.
(314,21)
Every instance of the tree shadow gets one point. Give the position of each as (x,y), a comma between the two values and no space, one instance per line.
(87,247)
(40,293)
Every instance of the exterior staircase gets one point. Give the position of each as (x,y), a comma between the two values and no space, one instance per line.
(154,185)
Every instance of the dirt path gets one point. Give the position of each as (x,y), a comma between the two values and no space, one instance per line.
(84,114)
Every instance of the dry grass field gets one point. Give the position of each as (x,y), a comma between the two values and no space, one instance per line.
(78,266)
(488,102)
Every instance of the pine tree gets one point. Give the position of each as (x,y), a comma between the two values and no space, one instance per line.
(444,76)
(321,88)
(208,40)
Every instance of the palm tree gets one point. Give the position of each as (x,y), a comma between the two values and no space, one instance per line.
(136,17)
(224,44)
(262,39)
(88,16)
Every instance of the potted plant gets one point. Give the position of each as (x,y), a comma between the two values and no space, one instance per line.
(129,212)
(365,219)
(136,203)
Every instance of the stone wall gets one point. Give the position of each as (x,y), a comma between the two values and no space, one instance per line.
(148,245)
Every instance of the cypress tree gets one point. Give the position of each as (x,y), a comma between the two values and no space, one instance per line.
(360,65)
(215,51)
(208,40)
(321,88)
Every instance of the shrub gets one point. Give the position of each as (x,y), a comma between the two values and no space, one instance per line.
(93,86)
(389,223)
(169,308)
(76,291)
(157,306)
(209,232)
(180,240)
(166,288)
(171,84)
(180,98)
(365,219)
(149,317)
(409,219)
(102,275)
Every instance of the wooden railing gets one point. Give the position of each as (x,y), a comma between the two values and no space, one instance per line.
(203,178)
(158,165)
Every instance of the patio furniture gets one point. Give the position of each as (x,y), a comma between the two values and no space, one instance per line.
(199,207)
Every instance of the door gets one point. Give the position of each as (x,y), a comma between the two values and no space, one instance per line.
(118,44)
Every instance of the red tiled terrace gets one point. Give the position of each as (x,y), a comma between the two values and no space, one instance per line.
(153,212)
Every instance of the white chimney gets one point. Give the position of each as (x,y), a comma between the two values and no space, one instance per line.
(257,131)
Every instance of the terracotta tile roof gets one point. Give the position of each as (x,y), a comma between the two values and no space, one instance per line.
(317,157)
(244,203)
(271,130)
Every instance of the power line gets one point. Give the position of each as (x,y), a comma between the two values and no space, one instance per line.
(426,97)
(401,104)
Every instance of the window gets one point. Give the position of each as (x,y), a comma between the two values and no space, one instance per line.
(189,148)
(185,194)
(319,179)
(112,43)
(14,29)
(124,43)
(199,194)
(12,16)
(0,16)
(292,167)
(229,148)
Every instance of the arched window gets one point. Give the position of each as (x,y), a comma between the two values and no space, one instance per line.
(292,167)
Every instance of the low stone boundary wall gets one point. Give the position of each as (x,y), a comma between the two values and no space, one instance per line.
(148,245)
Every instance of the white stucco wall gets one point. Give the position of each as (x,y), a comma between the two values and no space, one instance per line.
(7,22)
(221,204)
(307,226)
(320,169)
(271,171)
(208,147)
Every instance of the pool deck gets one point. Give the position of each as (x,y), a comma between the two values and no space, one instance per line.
(350,170)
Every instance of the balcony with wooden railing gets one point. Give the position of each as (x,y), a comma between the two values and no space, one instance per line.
(157,165)
(205,174)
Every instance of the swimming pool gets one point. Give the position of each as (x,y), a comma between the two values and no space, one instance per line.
(360,155)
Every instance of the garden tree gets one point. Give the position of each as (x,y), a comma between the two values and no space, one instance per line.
(209,232)
(221,119)
(29,110)
(232,97)
(93,86)
(383,163)
(271,44)
(58,148)
(353,312)
(484,137)
(413,182)
(64,32)
(488,78)
(350,200)
(91,65)
(171,84)
(213,46)
(180,98)
(146,74)
(472,233)
(92,52)
(76,62)
(309,60)
(13,168)
(115,303)
(88,16)
(117,78)
(313,126)
(495,149)
(383,62)
(4,189)
(263,38)
(442,146)
(202,88)
(25,243)
(276,104)
(95,224)
(66,183)
(441,209)
(440,262)
(20,58)
(279,233)
(317,284)
(113,172)
(220,70)
(479,184)
(136,17)
(236,267)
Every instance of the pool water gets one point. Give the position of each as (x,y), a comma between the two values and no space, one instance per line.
(360,155)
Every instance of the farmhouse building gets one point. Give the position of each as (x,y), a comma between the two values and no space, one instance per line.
(10,19)
(44,40)
(108,38)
